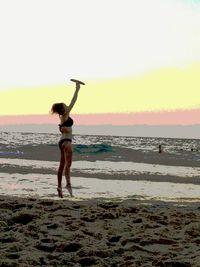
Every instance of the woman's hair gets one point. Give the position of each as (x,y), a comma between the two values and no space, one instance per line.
(58,108)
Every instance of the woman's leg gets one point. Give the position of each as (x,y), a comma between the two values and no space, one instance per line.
(60,173)
(68,162)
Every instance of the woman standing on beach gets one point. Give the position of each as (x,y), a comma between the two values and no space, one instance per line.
(65,143)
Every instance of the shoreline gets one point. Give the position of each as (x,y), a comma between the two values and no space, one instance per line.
(44,186)
(103,176)
(98,232)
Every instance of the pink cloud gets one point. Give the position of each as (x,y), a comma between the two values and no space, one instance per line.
(180,117)
(27,119)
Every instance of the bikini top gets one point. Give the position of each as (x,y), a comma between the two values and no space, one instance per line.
(68,123)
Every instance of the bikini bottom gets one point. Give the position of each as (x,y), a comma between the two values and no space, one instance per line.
(62,141)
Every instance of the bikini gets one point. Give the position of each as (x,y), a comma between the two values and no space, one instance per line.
(68,123)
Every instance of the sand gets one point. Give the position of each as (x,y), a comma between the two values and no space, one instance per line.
(140,230)
(98,232)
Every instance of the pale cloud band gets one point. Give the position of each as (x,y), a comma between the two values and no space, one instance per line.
(49,41)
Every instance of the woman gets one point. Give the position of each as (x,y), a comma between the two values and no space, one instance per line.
(65,143)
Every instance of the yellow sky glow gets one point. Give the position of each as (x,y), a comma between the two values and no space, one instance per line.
(165,89)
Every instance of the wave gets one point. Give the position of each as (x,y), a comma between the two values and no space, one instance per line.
(11,152)
(92,149)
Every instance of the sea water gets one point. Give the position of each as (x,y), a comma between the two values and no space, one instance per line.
(103,166)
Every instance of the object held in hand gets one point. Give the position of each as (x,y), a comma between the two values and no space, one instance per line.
(77,81)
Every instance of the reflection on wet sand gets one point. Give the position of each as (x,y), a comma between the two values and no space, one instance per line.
(43,185)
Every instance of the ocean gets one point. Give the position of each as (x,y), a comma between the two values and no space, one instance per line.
(103,167)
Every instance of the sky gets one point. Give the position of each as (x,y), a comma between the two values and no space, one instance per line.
(140,60)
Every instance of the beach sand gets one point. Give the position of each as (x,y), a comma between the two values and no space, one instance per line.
(131,208)
(98,232)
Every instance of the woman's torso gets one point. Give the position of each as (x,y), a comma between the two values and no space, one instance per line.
(65,126)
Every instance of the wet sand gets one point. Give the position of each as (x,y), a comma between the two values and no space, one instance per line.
(98,232)
(52,153)
(44,186)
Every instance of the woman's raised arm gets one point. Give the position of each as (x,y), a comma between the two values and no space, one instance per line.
(74,98)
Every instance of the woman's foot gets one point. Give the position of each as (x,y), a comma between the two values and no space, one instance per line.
(60,193)
(69,188)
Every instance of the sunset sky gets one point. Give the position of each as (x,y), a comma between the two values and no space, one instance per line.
(140,60)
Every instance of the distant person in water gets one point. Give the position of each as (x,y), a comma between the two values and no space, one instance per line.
(65,143)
